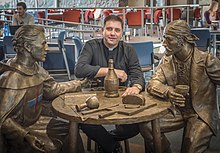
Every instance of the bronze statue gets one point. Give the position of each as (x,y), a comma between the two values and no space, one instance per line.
(196,112)
(27,123)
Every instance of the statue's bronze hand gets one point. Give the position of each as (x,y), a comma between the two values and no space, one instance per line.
(84,82)
(176,98)
(35,142)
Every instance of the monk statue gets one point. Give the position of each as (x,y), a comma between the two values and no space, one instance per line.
(187,77)
(27,123)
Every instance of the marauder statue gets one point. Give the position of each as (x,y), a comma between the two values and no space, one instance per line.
(196,112)
(25,125)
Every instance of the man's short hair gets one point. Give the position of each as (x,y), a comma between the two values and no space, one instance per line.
(22,4)
(113,18)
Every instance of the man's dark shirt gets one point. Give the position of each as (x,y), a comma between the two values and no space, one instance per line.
(95,55)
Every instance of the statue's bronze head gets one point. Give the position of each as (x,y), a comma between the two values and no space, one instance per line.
(180,29)
(26,33)
(30,43)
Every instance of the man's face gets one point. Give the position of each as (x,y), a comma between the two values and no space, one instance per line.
(21,10)
(39,48)
(112,33)
(171,44)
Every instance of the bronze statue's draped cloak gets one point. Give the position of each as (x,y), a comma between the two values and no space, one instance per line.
(204,76)
(15,80)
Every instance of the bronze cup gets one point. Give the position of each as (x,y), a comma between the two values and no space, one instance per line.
(91,103)
(182,89)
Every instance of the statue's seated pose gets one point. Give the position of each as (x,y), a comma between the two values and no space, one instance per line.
(23,85)
(184,65)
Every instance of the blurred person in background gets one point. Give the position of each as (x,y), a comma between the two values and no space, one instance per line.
(22,17)
(211,15)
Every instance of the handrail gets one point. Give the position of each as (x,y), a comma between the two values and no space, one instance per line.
(135,7)
(70,30)
(6,14)
(66,22)
(5,20)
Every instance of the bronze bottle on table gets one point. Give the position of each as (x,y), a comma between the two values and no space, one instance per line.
(111,82)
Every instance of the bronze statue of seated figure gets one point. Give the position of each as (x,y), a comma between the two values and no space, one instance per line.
(25,124)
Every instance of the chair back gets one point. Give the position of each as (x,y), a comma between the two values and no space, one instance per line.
(78,46)
(61,39)
(72,16)
(134,18)
(176,13)
(145,54)
(147,11)
(97,14)
(197,13)
(40,14)
(106,13)
(88,16)
(57,63)
(157,15)
(204,37)
(8,48)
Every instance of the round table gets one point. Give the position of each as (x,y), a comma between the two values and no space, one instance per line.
(64,107)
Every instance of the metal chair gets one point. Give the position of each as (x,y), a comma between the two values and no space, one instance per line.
(78,46)
(41,14)
(106,13)
(63,50)
(145,55)
(89,16)
(135,20)
(204,38)
(8,48)
(175,16)
(197,16)
(58,66)
(92,16)
(157,16)
(72,15)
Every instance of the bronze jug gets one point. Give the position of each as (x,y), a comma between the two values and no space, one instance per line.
(111,82)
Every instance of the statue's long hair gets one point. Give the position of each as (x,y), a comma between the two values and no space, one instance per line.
(181,29)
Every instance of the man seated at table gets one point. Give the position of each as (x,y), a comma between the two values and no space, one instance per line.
(93,63)
(27,123)
(22,17)
(196,112)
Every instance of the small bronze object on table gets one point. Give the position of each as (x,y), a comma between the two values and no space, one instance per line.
(134,100)
(129,112)
(111,82)
(91,103)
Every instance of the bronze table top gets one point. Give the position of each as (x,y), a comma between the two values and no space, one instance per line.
(64,107)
